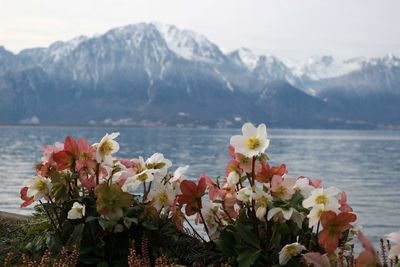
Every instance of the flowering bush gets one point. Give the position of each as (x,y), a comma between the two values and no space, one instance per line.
(257,215)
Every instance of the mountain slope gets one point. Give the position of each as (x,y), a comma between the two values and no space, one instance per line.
(153,73)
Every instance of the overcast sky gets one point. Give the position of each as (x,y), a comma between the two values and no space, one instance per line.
(296,28)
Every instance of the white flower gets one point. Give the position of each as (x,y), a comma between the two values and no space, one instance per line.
(327,197)
(253,141)
(179,174)
(76,212)
(208,211)
(162,195)
(132,183)
(233,178)
(395,249)
(260,213)
(245,194)
(262,199)
(289,251)
(321,200)
(303,186)
(315,214)
(158,162)
(286,214)
(106,148)
(38,187)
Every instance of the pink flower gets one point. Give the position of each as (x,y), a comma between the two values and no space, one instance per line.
(47,159)
(242,162)
(317,260)
(316,183)
(86,155)
(66,157)
(87,180)
(333,228)
(232,152)
(282,188)
(266,172)
(232,165)
(245,163)
(368,257)
(191,195)
(127,163)
(395,249)
(344,207)
(27,200)
(49,151)
(214,192)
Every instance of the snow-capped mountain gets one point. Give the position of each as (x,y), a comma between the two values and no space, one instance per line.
(155,72)
(245,58)
(190,45)
(317,68)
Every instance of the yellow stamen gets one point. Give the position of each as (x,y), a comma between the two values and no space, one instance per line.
(281,191)
(252,142)
(263,201)
(106,148)
(40,185)
(142,177)
(321,200)
(163,198)
(291,249)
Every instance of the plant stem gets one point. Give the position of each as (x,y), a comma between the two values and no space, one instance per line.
(98,174)
(144,192)
(227,213)
(205,224)
(253,175)
(55,212)
(253,170)
(194,230)
(51,219)
(317,233)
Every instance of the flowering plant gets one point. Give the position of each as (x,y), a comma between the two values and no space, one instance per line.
(260,216)
(257,215)
(101,202)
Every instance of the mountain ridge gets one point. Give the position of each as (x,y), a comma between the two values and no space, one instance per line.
(158,73)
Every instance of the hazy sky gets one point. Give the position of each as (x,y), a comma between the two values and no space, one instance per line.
(287,28)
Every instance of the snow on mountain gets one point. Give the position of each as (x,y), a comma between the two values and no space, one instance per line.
(389,60)
(60,49)
(155,71)
(265,68)
(245,57)
(190,45)
(318,68)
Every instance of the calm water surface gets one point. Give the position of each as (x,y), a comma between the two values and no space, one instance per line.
(365,164)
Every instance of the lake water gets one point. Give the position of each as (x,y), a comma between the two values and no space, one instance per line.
(365,164)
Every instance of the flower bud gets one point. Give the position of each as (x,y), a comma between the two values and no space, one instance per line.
(233,178)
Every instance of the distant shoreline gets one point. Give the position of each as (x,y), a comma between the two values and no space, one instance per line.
(155,126)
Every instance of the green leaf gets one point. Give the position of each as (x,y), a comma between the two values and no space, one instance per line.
(150,224)
(53,242)
(296,200)
(91,218)
(60,187)
(247,235)
(111,199)
(76,235)
(102,264)
(226,243)
(106,224)
(248,257)
(133,211)
(91,260)
(128,221)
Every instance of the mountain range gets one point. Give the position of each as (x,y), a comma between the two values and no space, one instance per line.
(157,74)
